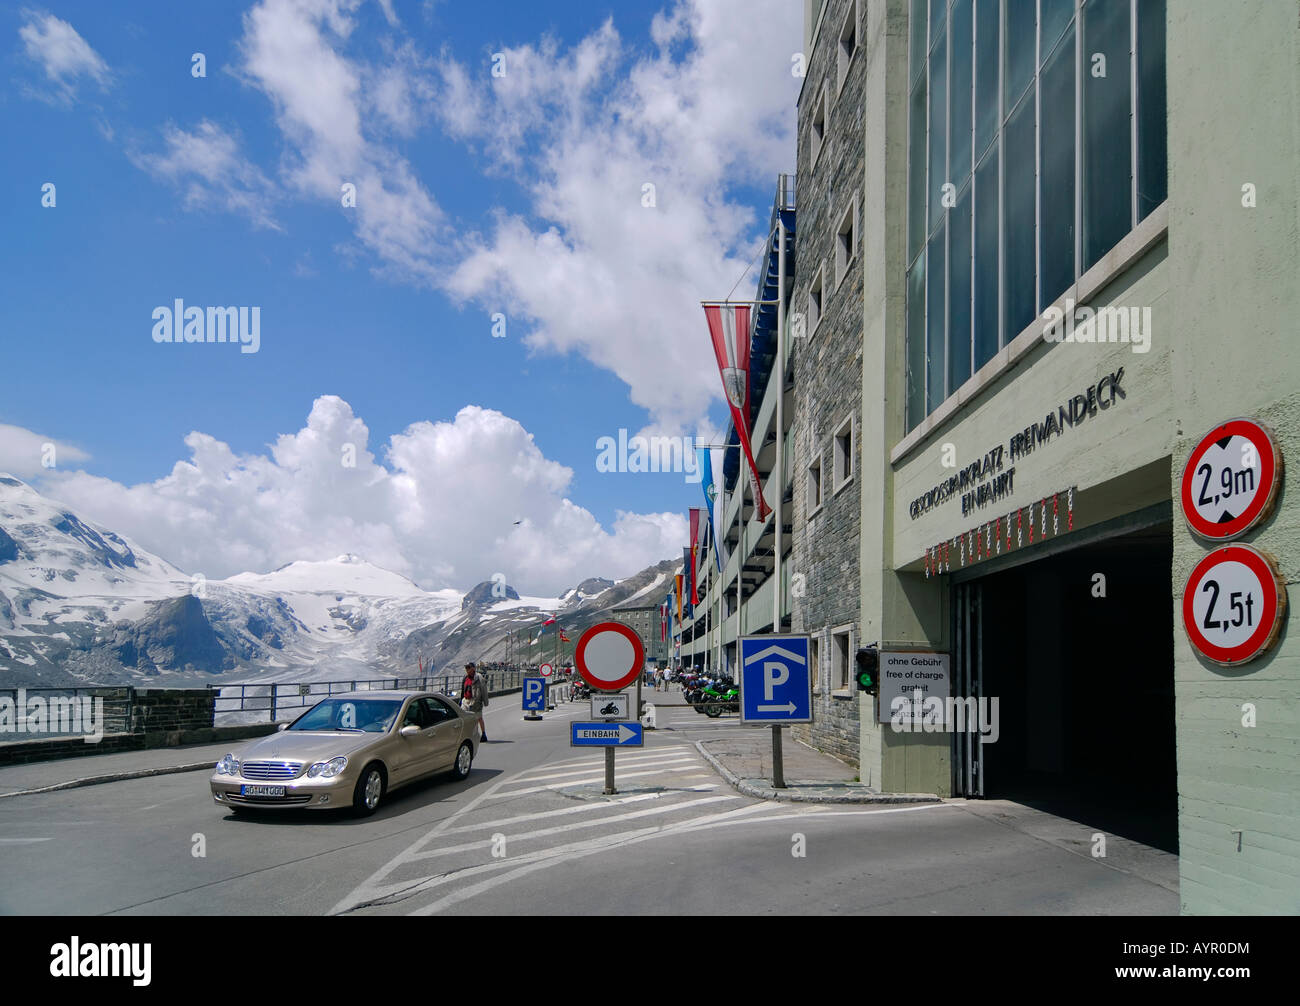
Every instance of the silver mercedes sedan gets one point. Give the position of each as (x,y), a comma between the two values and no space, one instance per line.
(350,750)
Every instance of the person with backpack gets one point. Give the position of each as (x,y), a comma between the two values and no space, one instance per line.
(476,691)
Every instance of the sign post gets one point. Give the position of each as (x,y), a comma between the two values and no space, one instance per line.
(775,688)
(534,695)
(609,656)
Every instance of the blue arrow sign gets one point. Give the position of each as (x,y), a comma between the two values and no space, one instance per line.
(775,679)
(534,694)
(606,735)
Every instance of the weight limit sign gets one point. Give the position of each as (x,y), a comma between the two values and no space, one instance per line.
(1230,480)
(1234,604)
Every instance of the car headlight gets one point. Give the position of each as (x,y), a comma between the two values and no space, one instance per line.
(328,769)
(229,765)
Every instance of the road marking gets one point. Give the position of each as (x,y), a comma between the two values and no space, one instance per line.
(584,808)
(23,841)
(581,780)
(575,826)
(599,767)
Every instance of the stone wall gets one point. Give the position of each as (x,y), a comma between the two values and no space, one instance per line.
(828,370)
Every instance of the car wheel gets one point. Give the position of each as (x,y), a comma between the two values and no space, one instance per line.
(464,759)
(369,791)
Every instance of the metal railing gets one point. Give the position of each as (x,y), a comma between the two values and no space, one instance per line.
(277,700)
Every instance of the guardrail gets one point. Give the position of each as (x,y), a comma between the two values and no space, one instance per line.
(249,701)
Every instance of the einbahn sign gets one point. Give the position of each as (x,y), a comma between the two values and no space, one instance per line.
(1230,480)
(1234,604)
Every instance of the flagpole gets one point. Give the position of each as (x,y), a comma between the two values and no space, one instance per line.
(780,421)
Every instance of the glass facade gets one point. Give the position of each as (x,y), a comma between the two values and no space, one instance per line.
(1037,141)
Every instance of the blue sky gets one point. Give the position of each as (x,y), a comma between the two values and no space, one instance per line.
(522,193)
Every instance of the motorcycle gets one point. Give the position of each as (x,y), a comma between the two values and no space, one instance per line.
(719,698)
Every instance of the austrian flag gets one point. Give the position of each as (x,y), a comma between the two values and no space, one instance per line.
(729,328)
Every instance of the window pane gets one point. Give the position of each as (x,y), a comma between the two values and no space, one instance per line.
(959,266)
(937,8)
(1018,219)
(1021,37)
(916,174)
(916,343)
(917,46)
(986,74)
(938,129)
(1056,15)
(1153,181)
(959,105)
(936,369)
(1107,147)
(1057,179)
(986,260)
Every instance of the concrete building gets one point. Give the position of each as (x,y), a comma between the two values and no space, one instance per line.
(743,598)
(827,367)
(644,619)
(1020,478)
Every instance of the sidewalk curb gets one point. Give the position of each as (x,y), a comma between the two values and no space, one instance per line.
(96,780)
(768,793)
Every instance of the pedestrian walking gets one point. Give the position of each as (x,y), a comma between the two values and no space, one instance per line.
(473,696)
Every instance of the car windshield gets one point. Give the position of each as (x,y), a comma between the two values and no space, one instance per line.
(372,716)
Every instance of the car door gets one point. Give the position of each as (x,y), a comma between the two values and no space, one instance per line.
(448,730)
(415,753)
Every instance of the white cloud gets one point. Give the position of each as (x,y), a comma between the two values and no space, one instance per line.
(441,508)
(65,56)
(292,51)
(603,274)
(207,166)
(25,454)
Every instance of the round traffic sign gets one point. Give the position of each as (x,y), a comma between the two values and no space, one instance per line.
(1234,604)
(546,670)
(1230,480)
(609,656)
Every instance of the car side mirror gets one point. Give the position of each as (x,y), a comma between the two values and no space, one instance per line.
(282,726)
(410,730)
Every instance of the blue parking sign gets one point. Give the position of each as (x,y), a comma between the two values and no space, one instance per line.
(775,679)
(534,694)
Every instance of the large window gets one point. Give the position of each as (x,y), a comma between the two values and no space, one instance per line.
(1037,141)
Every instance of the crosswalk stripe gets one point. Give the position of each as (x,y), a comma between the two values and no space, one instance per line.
(579,781)
(575,826)
(600,767)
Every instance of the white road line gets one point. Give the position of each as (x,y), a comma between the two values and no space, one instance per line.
(581,780)
(625,755)
(599,767)
(23,841)
(574,826)
(577,850)
(584,808)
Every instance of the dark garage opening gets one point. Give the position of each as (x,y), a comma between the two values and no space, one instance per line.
(1087,686)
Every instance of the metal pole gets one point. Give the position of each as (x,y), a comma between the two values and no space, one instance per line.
(609,772)
(778,763)
(779,510)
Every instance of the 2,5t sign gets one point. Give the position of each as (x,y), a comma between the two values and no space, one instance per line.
(1234,604)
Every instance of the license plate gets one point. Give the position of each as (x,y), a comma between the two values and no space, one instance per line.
(247,790)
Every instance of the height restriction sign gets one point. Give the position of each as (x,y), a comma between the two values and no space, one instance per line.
(1234,604)
(1230,480)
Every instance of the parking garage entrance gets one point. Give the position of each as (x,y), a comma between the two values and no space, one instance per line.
(1077,646)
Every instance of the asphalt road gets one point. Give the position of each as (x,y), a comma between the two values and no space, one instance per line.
(529,832)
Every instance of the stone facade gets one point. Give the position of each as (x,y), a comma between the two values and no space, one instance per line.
(826,323)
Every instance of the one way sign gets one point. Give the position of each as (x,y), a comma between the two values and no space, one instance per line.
(775,679)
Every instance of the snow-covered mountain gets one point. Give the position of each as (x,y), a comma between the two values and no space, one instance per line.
(81,604)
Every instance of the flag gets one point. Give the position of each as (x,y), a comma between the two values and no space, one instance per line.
(563,637)
(710,464)
(696,514)
(729,329)
(663,622)
(549,621)
(688,581)
(678,578)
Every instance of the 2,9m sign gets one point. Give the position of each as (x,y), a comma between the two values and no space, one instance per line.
(1234,604)
(1230,480)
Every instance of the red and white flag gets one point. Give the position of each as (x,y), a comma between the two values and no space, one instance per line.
(729,328)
